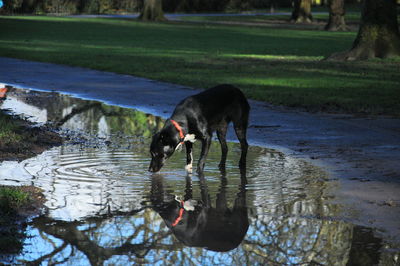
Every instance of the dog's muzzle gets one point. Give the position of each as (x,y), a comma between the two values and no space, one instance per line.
(155,165)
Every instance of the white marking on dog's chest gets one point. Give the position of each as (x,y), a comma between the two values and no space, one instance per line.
(190,137)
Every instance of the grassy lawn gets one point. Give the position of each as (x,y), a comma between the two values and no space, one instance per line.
(351,17)
(280,66)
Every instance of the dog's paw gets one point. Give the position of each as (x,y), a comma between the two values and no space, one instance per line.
(189,168)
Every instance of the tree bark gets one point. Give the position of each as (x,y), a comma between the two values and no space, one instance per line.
(378,35)
(301,11)
(336,16)
(152,11)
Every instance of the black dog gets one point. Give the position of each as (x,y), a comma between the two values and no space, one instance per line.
(196,118)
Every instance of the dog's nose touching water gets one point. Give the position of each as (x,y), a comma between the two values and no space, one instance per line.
(197,118)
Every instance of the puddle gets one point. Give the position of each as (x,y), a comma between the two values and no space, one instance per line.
(105,208)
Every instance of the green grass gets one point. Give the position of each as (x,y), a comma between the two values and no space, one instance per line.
(11,199)
(351,17)
(11,233)
(8,130)
(280,66)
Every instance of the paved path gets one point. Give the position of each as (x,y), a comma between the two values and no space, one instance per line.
(364,153)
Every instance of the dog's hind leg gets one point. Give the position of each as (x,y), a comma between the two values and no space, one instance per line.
(189,157)
(221,133)
(205,146)
(241,134)
(240,126)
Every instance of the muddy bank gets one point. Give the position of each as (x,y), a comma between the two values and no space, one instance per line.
(14,217)
(32,141)
(31,207)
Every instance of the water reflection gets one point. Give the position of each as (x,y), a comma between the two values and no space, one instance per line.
(199,223)
(105,208)
(73,114)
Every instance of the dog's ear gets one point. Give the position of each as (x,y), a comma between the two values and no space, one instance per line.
(165,138)
(154,140)
(159,138)
(156,136)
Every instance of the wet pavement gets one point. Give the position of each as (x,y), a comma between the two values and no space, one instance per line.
(105,208)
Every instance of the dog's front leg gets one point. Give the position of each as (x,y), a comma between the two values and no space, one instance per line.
(205,146)
(189,157)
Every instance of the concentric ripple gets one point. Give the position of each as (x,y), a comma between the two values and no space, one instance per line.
(79,183)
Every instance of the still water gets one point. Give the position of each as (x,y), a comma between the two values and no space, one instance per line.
(105,208)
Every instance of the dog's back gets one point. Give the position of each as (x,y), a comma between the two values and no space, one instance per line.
(221,103)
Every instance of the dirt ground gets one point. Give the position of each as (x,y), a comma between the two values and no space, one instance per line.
(13,224)
(360,153)
(35,205)
(34,141)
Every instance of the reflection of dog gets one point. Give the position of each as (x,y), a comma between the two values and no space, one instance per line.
(197,117)
(201,225)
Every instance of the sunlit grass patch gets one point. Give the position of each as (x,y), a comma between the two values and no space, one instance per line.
(274,57)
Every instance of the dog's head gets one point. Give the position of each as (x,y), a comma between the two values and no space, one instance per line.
(162,147)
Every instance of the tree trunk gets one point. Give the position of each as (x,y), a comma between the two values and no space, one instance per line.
(378,35)
(152,11)
(301,11)
(272,6)
(336,16)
